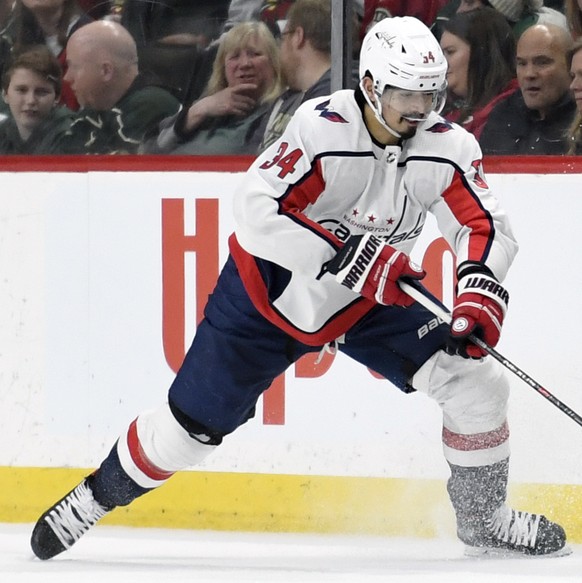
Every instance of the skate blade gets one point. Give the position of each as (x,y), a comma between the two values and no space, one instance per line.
(492,553)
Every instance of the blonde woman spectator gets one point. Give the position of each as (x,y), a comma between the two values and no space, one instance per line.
(573,10)
(575,133)
(245,81)
(35,123)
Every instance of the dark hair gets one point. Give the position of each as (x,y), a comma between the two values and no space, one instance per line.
(576,46)
(41,61)
(492,59)
(27,30)
(314,17)
(575,130)
(574,17)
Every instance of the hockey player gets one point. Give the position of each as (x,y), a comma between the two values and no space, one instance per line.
(326,217)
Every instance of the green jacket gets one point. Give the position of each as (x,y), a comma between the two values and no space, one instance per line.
(50,137)
(226,135)
(122,129)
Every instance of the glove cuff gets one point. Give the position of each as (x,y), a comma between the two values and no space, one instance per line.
(484,285)
(358,261)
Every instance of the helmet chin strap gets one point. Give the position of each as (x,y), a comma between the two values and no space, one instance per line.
(377,109)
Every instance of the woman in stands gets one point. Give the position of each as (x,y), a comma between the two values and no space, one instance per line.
(31,87)
(245,80)
(480,50)
(575,134)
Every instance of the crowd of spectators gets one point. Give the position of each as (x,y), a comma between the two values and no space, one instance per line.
(226,76)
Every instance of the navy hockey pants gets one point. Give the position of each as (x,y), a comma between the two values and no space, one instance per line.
(236,353)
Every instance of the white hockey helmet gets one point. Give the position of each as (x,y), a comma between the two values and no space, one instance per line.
(402,53)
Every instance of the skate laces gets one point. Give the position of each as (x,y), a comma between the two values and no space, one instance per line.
(75,514)
(514,527)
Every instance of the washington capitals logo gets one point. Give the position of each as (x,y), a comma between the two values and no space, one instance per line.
(440,127)
(387,39)
(328,114)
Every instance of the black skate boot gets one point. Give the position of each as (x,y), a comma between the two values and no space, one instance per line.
(509,531)
(64,523)
(488,526)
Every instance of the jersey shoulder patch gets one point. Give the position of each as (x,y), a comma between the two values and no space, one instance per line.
(327,112)
(440,127)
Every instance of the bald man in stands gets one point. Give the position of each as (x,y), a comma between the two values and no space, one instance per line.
(535,119)
(119,107)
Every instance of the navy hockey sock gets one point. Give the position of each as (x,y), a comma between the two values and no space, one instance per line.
(112,486)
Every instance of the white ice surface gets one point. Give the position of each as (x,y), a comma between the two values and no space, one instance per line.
(126,555)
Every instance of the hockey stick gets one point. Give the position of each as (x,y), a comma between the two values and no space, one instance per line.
(417,294)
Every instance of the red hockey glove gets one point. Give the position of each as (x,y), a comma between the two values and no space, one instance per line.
(372,268)
(479,309)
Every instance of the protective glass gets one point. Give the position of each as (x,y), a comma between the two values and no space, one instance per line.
(413,105)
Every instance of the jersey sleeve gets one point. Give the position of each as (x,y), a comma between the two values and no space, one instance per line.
(269,207)
(470,217)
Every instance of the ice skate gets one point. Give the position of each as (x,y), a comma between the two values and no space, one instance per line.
(488,527)
(62,525)
(509,532)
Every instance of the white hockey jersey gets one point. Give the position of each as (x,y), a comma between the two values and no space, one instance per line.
(326,179)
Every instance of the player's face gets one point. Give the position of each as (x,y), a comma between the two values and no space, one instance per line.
(457,53)
(542,70)
(576,84)
(393,108)
(30,98)
(403,110)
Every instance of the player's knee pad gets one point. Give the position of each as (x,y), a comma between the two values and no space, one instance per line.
(473,395)
(157,445)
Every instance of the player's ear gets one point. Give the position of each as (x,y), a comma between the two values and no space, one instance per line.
(368,87)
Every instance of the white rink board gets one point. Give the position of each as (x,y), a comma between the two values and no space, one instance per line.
(81,346)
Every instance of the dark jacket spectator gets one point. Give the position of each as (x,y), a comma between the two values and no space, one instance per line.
(118,107)
(535,120)
(305,62)
(35,123)
(282,111)
(122,128)
(51,136)
(514,128)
